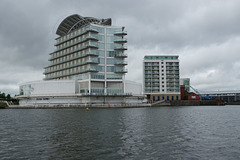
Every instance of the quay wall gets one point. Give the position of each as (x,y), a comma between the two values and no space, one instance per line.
(126,105)
(196,103)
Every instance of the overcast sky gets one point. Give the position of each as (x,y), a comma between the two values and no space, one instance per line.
(204,33)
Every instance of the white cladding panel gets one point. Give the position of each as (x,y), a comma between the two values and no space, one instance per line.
(52,87)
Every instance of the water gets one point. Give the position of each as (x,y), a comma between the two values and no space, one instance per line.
(196,132)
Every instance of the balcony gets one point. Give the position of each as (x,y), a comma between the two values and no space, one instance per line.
(90,54)
(72,51)
(170,84)
(148,64)
(155,80)
(75,57)
(147,68)
(91,45)
(91,30)
(155,68)
(121,63)
(91,69)
(121,33)
(121,71)
(155,84)
(120,48)
(91,37)
(123,55)
(92,61)
(76,35)
(172,68)
(120,40)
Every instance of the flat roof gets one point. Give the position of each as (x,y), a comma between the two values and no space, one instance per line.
(160,57)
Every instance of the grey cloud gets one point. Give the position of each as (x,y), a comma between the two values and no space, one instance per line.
(205,34)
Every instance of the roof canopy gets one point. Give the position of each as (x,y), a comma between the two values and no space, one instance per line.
(76,21)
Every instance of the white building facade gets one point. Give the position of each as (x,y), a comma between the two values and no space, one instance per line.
(161,77)
(67,93)
(89,49)
(88,66)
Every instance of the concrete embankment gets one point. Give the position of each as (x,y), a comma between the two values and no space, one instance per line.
(192,103)
(82,106)
(156,104)
(232,103)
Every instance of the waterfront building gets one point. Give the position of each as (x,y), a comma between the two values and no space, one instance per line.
(88,65)
(161,77)
(92,50)
(67,93)
(186,95)
(225,95)
(186,83)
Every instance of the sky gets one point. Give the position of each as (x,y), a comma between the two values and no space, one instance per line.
(204,33)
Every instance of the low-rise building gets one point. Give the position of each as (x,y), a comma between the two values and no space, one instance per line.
(68,93)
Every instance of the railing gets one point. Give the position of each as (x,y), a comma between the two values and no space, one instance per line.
(120,48)
(120,40)
(123,55)
(106,94)
(75,50)
(121,71)
(121,63)
(89,69)
(74,65)
(121,33)
(74,36)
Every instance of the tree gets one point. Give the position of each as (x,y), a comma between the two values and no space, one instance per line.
(2,96)
(8,97)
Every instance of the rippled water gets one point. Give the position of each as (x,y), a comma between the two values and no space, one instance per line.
(196,132)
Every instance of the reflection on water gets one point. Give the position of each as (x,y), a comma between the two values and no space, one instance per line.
(205,132)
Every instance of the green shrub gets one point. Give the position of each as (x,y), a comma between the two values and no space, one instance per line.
(3,105)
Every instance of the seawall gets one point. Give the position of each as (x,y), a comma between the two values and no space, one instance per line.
(164,103)
(197,103)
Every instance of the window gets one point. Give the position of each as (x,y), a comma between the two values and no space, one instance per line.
(153,98)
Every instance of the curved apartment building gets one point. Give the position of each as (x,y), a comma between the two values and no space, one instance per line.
(87,66)
(89,49)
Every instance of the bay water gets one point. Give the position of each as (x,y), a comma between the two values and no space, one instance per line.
(189,132)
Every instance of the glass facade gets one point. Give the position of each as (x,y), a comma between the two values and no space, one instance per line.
(25,89)
(94,52)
